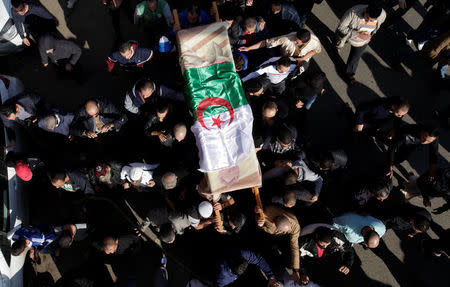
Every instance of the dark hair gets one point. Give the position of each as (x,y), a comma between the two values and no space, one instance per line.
(284,135)
(290,178)
(369,234)
(420,222)
(373,10)
(238,265)
(226,11)
(303,35)
(252,86)
(194,9)
(284,61)
(325,160)
(18,247)
(162,106)
(166,233)
(239,62)
(143,83)
(382,187)
(17,3)
(432,130)
(55,175)
(323,234)
(317,81)
(276,2)
(124,47)
(269,105)
(237,218)
(65,239)
(7,109)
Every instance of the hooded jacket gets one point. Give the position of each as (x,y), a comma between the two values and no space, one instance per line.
(62,49)
(139,58)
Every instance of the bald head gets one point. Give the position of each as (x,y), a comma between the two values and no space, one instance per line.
(371,238)
(282,223)
(92,108)
(180,131)
(169,180)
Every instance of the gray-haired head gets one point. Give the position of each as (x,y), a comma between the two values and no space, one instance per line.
(169,180)
(50,122)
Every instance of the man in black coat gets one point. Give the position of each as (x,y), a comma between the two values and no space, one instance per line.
(381,116)
(33,18)
(98,116)
(22,110)
(325,251)
(61,52)
(71,180)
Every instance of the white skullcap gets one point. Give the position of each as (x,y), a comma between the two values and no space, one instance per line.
(136,173)
(205,209)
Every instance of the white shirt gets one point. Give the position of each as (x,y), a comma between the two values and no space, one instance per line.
(147,172)
(271,71)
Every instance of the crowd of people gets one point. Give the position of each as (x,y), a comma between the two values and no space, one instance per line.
(304,233)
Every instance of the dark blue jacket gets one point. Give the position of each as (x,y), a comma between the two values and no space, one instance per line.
(224,275)
(79,181)
(65,119)
(31,103)
(203,19)
(370,114)
(139,58)
(108,114)
(38,12)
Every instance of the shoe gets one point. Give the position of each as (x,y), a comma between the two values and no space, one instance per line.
(351,80)
(71,3)
(409,42)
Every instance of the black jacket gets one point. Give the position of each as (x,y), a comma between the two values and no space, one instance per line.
(62,49)
(37,19)
(79,181)
(31,103)
(108,114)
(409,138)
(339,244)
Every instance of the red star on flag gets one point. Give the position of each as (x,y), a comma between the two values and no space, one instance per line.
(217,122)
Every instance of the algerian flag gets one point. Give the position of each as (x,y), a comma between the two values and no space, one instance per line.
(223,117)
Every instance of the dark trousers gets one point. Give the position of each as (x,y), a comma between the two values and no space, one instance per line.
(353,59)
(394,17)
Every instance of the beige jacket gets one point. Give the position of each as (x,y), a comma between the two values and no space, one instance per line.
(47,265)
(271,212)
(290,49)
(351,22)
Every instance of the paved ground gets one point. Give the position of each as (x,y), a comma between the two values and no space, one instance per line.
(90,26)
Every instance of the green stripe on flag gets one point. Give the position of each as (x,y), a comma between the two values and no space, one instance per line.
(218,80)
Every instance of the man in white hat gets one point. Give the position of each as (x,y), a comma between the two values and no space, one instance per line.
(139,175)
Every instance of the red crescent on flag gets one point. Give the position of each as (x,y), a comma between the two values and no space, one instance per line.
(213,101)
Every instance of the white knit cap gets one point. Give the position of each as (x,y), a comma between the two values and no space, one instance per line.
(136,173)
(205,209)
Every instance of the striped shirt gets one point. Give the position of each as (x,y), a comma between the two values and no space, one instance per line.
(366,27)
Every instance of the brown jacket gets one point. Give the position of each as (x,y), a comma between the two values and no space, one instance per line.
(271,212)
(436,47)
(47,265)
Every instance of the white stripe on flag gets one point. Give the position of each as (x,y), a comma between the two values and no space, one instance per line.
(227,146)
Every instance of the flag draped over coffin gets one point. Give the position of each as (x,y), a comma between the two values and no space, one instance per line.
(223,117)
